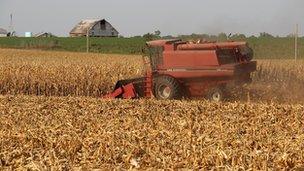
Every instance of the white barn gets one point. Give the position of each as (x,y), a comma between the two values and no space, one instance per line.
(95,28)
(3,32)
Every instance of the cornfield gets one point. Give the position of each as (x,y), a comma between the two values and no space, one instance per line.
(83,134)
(62,74)
(50,118)
(278,81)
(30,72)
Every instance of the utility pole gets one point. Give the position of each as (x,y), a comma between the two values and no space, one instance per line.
(296,41)
(88,41)
(11,29)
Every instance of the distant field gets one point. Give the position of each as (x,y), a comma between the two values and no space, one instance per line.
(100,45)
(264,47)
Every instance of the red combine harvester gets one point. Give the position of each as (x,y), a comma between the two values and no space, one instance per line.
(177,69)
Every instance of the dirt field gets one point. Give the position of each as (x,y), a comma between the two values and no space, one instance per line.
(66,127)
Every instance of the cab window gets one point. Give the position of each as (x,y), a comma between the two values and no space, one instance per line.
(226,56)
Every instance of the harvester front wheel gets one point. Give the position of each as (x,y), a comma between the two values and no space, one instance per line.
(166,88)
(215,94)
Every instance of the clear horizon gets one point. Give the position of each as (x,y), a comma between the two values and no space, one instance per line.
(137,17)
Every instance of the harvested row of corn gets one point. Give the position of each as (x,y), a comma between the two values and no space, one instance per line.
(63,133)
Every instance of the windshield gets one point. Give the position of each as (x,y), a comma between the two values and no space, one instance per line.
(155,54)
(226,56)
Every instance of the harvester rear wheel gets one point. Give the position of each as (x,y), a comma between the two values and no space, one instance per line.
(166,88)
(215,94)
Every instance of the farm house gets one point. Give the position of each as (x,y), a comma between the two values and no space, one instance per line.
(3,32)
(95,28)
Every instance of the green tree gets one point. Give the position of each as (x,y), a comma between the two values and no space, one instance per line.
(238,37)
(264,34)
(148,36)
(222,37)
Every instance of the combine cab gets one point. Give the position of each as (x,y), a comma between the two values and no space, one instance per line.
(177,69)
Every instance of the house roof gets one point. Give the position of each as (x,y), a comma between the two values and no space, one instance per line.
(42,33)
(3,31)
(85,25)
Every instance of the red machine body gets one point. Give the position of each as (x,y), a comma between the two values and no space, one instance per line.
(183,69)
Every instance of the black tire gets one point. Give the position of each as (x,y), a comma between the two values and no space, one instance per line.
(215,94)
(166,88)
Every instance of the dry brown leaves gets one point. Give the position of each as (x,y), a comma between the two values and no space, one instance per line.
(82,133)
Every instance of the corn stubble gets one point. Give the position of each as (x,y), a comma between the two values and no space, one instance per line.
(82,133)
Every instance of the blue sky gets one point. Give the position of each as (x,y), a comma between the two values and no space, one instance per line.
(171,17)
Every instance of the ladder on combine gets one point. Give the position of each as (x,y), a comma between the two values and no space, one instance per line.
(148,81)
